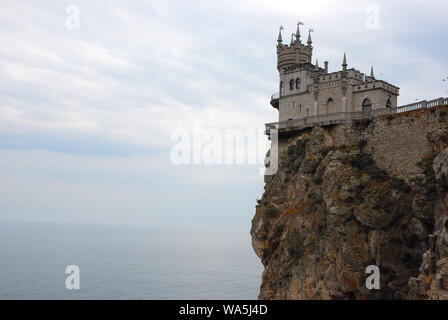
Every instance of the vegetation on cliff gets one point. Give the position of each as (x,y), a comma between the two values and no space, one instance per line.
(327,214)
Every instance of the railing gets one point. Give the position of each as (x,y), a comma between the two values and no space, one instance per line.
(423,104)
(346,117)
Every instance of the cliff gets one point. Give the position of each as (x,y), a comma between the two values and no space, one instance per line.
(349,196)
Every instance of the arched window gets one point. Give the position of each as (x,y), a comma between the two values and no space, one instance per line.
(366,105)
(282,88)
(389,103)
(298,83)
(291,84)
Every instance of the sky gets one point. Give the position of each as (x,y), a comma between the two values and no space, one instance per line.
(93,92)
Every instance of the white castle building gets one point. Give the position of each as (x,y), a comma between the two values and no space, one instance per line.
(307,90)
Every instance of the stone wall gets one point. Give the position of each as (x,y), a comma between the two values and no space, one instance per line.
(396,142)
(295,107)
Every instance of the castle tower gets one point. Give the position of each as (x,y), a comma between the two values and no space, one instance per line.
(293,54)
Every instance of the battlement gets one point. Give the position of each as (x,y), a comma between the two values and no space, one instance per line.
(375,85)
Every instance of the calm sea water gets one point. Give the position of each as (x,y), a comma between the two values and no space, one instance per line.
(126,263)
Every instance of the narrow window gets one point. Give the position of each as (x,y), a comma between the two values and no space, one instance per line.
(291,84)
(330,105)
(298,83)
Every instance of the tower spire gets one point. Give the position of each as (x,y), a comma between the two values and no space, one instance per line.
(344,63)
(317,64)
(371,72)
(279,39)
(309,37)
(298,31)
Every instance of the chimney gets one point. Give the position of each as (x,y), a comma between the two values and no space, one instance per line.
(326,66)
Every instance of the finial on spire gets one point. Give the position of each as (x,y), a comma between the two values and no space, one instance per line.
(298,31)
(344,63)
(371,72)
(279,40)
(309,37)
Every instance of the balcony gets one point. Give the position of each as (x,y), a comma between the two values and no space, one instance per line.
(275,98)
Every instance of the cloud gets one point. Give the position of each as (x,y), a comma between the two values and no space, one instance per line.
(95,102)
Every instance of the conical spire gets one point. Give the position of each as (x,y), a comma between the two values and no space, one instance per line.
(371,72)
(344,63)
(279,40)
(298,31)
(309,38)
(317,64)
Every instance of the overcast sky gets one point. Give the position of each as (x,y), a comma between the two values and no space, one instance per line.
(86,113)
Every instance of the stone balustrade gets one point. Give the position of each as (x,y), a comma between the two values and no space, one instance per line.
(348,117)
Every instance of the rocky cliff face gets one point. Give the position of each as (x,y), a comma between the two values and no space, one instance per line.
(432,282)
(331,211)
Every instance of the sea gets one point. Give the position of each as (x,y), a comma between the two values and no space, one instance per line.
(126,262)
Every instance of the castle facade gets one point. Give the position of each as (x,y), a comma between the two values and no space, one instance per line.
(306,90)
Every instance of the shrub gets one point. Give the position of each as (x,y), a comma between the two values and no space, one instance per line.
(363,123)
(296,153)
(362,143)
(400,184)
(428,181)
(362,160)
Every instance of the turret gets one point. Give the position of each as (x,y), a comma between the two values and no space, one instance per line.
(279,39)
(293,54)
(344,63)
(298,32)
(309,42)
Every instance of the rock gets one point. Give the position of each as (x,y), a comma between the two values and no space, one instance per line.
(326,219)
(432,281)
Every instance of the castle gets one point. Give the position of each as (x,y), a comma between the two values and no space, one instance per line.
(306,90)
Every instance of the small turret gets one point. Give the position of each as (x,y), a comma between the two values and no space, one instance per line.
(344,63)
(309,38)
(371,72)
(298,31)
(317,65)
(280,40)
